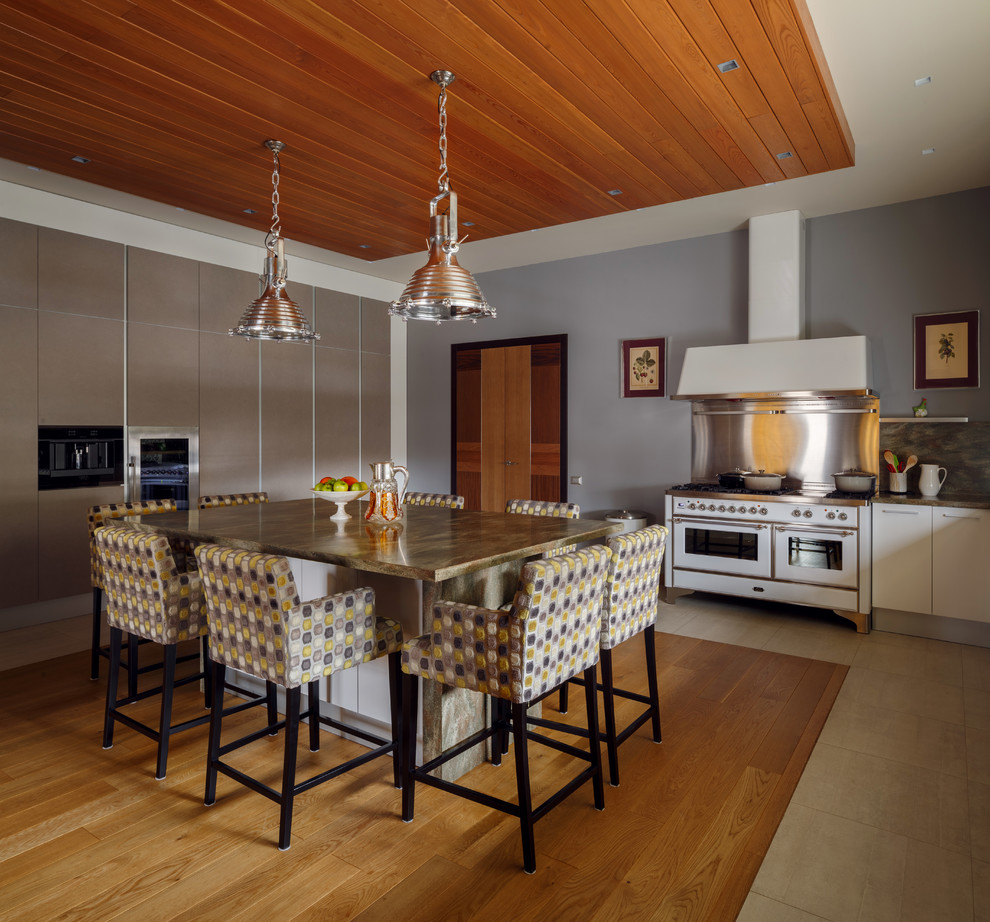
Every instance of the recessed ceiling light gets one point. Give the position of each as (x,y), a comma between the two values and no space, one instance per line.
(249,211)
(615,192)
(79,159)
(785,155)
(922,81)
(365,246)
(927,151)
(468,223)
(37,169)
(726,66)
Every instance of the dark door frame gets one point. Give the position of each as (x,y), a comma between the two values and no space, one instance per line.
(455,348)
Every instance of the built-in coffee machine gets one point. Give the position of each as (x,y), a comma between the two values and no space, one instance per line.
(80,456)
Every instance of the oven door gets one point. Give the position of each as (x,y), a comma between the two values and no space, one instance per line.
(820,556)
(721,546)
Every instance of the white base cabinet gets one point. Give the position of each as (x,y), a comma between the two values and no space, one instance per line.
(932,560)
(961,563)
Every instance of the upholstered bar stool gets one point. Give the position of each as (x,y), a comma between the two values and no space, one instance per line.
(148,597)
(629,608)
(258,625)
(516,657)
(232,499)
(540,507)
(97,516)
(443,500)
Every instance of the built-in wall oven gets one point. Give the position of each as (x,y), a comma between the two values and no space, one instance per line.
(163,463)
(789,547)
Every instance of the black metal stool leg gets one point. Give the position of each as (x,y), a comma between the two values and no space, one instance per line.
(410,716)
(562,702)
(591,702)
(313,715)
(132,665)
(216,720)
(521,741)
(271,696)
(649,636)
(608,699)
(116,635)
(207,671)
(293,697)
(168,687)
(395,712)
(94,656)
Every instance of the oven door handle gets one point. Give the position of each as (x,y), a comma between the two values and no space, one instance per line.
(842,533)
(727,523)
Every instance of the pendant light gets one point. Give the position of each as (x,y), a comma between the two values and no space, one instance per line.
(275,316)
(442,290)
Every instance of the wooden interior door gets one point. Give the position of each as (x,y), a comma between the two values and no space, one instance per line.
(509,421)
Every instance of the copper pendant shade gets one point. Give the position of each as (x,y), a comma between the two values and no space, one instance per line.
(274,316)
(442,289)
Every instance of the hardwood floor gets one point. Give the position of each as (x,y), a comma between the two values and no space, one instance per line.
(90,834)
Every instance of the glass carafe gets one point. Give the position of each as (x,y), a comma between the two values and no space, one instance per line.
(385,498)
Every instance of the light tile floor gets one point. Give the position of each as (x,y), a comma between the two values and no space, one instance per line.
(891,818)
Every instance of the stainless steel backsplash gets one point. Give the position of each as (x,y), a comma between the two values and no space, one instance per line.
(807,439)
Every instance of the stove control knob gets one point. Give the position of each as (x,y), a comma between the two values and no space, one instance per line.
(796,513)
(763,511)
(843,516)
(752,510)
(807,513)
(732,508)
(711,507)
(829,515)
(721,508)
(692,505)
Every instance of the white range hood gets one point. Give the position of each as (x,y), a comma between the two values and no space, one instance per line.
(777,361)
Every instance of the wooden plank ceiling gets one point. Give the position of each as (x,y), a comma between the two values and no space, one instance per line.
(562,109)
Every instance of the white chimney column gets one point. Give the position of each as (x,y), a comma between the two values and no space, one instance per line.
(776,277)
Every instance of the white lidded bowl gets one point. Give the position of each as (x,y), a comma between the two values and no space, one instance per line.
(854,481)
(761,480)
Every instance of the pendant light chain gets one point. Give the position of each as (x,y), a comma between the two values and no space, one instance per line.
(444,181)
(276,231)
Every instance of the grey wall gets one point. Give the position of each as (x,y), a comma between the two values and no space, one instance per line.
(627,450)
(868,272)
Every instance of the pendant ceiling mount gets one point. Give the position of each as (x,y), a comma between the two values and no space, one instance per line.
(274,315)
(442,289)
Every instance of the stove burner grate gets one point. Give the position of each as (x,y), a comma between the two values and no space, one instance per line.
(735,491)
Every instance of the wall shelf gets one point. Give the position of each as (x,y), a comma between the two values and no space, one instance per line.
(924,419)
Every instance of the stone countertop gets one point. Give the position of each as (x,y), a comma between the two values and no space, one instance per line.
(961,500)
(427,543)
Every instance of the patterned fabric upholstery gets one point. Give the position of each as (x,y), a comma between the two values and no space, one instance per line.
(98,515)
(554,510)
(146,594)
(633,584)
(444,500)
(232,499)
(550,634)
(539,507)
(258,624)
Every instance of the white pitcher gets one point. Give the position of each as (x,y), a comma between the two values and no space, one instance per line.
(932,478)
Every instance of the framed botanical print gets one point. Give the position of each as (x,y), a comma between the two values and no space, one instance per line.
(644,367)
(947,350)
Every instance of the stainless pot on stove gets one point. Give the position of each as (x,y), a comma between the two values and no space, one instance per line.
(732,480)
(761,480)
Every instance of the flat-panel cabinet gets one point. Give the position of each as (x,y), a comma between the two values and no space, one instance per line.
(902,557)
(961,563)
(932,560)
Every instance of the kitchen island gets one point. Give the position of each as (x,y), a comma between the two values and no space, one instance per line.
(457,555)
